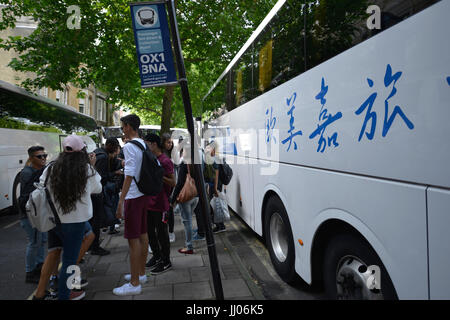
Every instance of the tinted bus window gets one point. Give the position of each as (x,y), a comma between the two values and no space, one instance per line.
(243,79)
(334,26)
(287,38)
(302,35)
(28,112)
(276,56)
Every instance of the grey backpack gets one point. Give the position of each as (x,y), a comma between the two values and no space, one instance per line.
(40,208)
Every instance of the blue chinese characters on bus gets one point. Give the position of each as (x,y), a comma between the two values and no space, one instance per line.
(389,79)
(448,80)
(326,119)
(270,125)
(290,103)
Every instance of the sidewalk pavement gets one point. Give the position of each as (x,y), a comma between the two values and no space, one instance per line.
(189,279)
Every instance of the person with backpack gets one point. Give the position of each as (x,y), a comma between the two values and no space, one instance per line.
(133,205)
(212,179)
(158,208)
(36,240)
(71,181)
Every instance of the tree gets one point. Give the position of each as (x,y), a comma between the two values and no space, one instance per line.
(102,52)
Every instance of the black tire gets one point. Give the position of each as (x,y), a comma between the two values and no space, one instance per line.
(342,249)
(284,267)
(15,201)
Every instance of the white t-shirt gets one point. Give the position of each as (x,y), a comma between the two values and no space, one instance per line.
(83,208)
(133,163)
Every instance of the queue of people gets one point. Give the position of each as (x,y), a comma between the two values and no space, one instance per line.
(99,189)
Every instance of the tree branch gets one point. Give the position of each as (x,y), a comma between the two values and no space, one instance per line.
(151,110)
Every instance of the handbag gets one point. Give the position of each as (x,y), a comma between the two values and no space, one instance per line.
(189,190)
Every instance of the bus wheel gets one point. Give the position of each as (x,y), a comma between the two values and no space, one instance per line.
(278,234)
(350,271)
(16,194)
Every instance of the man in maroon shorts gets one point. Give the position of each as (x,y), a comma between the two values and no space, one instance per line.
(134,205)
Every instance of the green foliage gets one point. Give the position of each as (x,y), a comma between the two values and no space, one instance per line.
(14,124)
(103,51)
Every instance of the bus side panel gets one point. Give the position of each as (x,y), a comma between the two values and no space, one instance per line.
(377,109)
(390,216)
(240,191)
(439,240)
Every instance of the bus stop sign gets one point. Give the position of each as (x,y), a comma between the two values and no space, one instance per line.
(152,38)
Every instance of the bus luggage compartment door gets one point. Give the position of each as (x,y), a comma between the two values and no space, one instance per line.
(438,240)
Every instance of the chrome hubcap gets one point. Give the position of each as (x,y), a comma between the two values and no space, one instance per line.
(278,237)
(352,277)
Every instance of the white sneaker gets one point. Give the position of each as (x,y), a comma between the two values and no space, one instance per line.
(172,236)
(127,290)
(142,279)
(150,250)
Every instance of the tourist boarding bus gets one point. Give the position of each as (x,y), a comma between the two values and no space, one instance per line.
(335,120)
(29,120)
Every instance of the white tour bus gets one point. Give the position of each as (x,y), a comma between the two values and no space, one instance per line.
(336,120)
(29,120)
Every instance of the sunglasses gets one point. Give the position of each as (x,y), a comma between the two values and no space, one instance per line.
(42,156)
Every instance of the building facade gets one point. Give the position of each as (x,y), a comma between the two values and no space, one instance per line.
(92,102)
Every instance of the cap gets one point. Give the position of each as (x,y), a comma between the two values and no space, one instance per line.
(73,143)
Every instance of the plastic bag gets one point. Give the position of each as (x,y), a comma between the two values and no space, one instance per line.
(220,208)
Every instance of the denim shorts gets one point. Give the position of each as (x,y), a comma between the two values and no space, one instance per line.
(55,242)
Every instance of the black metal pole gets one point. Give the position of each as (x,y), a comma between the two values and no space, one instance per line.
(198,174)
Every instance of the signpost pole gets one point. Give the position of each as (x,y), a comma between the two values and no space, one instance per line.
(198,174)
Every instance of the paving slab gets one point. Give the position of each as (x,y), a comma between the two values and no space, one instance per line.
(156,293)
(173,276)
(193,291)
(108,295)
(187,261)
(235,288)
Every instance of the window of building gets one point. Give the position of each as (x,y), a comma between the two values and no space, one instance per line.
(43,92)
(101,109)
(88,105)
(81,105)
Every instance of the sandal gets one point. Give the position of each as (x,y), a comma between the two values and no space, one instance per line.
(186,251)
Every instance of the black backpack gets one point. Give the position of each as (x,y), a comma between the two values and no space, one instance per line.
(152,173)
(225,173)
(28,188)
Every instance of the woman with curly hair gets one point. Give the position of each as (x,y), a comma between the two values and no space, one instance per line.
(72,180)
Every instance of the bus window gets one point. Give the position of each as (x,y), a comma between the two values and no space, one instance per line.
(334,26)
(287,38)
(244,79)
